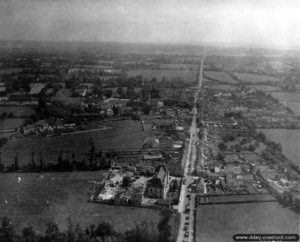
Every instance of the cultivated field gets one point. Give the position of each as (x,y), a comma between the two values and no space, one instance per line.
(11,123)
(291,100)
(180,66)
(289,139)
(238,198)
(264,88)
(124,134)
(33,199)
(17,110)
(36,88)
(219,76)
(256,78)
(222,87)
(216,223)
(64,96)
(10,70)
(185,75)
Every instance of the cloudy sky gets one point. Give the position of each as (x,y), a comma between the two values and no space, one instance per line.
(272,23)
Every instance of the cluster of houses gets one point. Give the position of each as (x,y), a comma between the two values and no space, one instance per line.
(140,185)
(40,127)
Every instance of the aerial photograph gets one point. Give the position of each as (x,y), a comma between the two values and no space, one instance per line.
(149,121)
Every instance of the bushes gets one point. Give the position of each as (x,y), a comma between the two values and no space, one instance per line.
(3,141)
(101,233)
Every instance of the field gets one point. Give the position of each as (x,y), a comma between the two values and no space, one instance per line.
(238,198)
(264,88)
(222,87)
(17,110)
(289,139)
(11,123)
(256,78)
(36,87)
(219,76)
(186,75)
(10,70)
(291,100)
(180,66)
(64,96)
(216,223)
(34,199)
(124,134)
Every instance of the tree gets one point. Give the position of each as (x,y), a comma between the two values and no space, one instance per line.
(16,165)
(130,92)
(28,234)
(120,91)
(108,93)
(104,230)
(7,232)
(146,109)
(126,181)
(163,226)
(251,147)
(222,146)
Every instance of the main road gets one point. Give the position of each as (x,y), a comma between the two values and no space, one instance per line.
(186,206)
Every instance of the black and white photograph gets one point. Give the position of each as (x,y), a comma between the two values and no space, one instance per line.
(149,120)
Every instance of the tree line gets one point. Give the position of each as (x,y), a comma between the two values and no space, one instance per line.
(103,232)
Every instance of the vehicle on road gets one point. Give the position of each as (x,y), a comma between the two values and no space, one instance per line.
(186,234)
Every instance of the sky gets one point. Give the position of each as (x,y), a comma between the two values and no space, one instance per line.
(265,23)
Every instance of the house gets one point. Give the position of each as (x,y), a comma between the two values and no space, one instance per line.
(150,143)
(232,169)
(165,124)
(245,178)
(157,186)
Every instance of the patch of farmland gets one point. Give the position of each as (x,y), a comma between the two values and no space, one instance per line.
(256,78)
(64,96)
(10,70)
(35,88)
(11,123)
(219,76)
(34,199)
(265,88)
(230,219)
(291,100)
(17,110)
(124,134)
(222,87)
(185,75)
(179,66)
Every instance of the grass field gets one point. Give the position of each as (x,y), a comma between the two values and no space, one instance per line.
(220,76)
(265,88)
(291,100)
(10,70)
(222,87)
(35,199)
(186,75)
(124,134)
(256,78)
(239,198)
(36,87)
(180,66)
(216,223)
(11,123)
(17,110)
(64,96)
(289,139)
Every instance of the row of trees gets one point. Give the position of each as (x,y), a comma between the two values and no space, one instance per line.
(103,232)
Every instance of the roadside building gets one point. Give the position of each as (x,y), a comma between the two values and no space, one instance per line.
(157,187)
